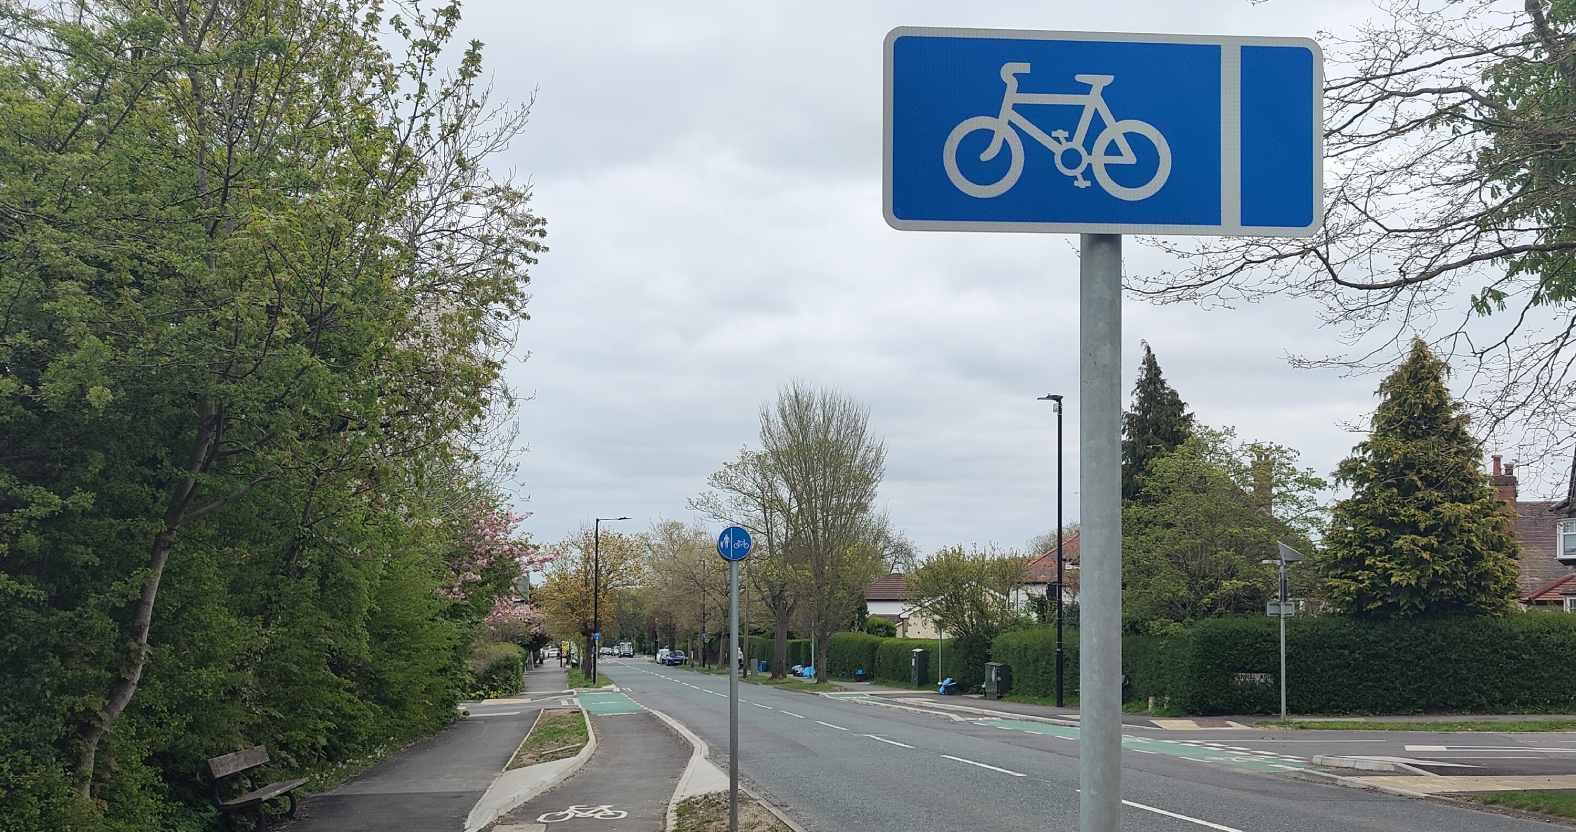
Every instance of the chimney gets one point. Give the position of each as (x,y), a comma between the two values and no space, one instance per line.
(1504,481)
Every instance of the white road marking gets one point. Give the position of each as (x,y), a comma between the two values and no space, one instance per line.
(794,715)
(1199,821)
(830,725)
(982,765)
(889,742)
(1142,751)
(497,713)
(759,705)
(1425,748)
(714,693)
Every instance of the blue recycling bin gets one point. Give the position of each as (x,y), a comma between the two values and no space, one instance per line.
(948,687)
(760,666)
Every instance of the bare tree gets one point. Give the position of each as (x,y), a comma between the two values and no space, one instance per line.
(1450,208)
(818,443)
(748,492)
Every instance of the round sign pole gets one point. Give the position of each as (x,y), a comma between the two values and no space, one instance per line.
(733,545)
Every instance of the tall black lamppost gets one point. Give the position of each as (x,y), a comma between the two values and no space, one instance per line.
(1056,400)
(596,590)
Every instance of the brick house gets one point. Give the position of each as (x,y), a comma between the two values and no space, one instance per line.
(1546,542)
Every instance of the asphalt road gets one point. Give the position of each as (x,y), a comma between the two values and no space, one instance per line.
(841,764)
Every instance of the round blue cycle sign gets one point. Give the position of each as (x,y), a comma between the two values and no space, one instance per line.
(734,543)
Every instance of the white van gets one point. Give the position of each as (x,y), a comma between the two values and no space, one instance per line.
(662,655)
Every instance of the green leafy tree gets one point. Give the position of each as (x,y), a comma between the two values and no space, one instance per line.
(255,283)
(1208,513)
(1158,422)
(1423,531)
(974,594)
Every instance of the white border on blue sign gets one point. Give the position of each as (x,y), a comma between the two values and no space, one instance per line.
(1231,150)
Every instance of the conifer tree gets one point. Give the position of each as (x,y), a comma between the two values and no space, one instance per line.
(1157,423)
(1423,531)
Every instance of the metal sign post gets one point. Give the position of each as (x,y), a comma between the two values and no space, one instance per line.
(1101,134)
(733,545)
(1284,555)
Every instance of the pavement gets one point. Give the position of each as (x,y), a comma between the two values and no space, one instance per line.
(428,787)
(624,786)
(876,763)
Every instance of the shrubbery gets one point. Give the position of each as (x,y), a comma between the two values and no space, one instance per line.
(1032,655)
(761,650)
(889,660)
(496,669)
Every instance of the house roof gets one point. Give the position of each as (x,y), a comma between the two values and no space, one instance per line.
(893,587)
(1555,590)
(1042,570)
(1537,525)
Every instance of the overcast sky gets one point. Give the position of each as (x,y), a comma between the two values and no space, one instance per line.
(711,177)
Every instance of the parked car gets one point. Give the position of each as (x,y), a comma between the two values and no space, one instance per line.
(674,658)
(626,651)
(551,652)
(662,655)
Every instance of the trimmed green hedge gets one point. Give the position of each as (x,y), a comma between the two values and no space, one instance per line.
(1522,663)
(761,649)
(1032,655)
(888,660)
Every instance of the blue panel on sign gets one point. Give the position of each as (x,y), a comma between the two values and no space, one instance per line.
(1021,130)
(1278,141)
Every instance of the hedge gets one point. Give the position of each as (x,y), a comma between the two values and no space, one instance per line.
(496,669)
(848,652)
(1031,653)
(1523,663)
(761,649)
(888,660)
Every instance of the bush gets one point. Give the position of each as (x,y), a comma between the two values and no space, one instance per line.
(1522,663)
(761,649)
(880,627)
(1031,653)
(497,669)
(848,652)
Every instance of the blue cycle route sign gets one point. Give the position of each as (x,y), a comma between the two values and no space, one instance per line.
(1006,130)
(734,543)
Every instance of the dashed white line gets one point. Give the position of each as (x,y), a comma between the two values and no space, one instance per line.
(830,725)
(889,742)
(1200,822)
(792,714)
(983,765)
(759,705)
(496,713)
(714,693)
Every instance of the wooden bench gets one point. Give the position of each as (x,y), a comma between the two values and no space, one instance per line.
(234,767)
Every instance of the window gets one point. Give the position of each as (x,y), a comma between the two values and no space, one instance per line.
(1565,548)
(1570,604)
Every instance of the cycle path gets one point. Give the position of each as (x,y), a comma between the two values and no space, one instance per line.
(624,787)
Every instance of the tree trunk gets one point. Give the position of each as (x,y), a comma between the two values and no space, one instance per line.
(780,642)
(125,687)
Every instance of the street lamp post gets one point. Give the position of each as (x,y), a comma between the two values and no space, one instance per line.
(1056,400)
(596,591)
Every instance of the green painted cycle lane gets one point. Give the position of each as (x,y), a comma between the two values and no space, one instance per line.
(1196,751)
(608,703)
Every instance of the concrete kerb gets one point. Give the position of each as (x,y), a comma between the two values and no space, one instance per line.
(702,776)
(1369,764)
(510,789)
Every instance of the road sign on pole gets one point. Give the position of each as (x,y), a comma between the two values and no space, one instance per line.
(1093,132)
(1102,135)
(733,545)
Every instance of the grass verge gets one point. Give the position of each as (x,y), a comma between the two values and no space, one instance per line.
(709,813)
(558,734)
(1559,803)
(1516,727)
(580,680)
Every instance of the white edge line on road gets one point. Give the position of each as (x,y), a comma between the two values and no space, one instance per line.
(497,713)
(889,742)
(759,705)
(1003,770)
(830,725)
(792,714)
(1221,827)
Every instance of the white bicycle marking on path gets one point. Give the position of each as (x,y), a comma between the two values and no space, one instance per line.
(1093,158)
(602,812)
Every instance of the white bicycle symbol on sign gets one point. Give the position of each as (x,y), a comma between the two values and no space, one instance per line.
(603,812)
(1095,158)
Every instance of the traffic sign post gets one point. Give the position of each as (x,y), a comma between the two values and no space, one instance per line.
(734,546)
(1101,134)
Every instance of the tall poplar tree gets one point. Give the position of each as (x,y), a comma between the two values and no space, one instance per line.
(1423,531)
(1158,422)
